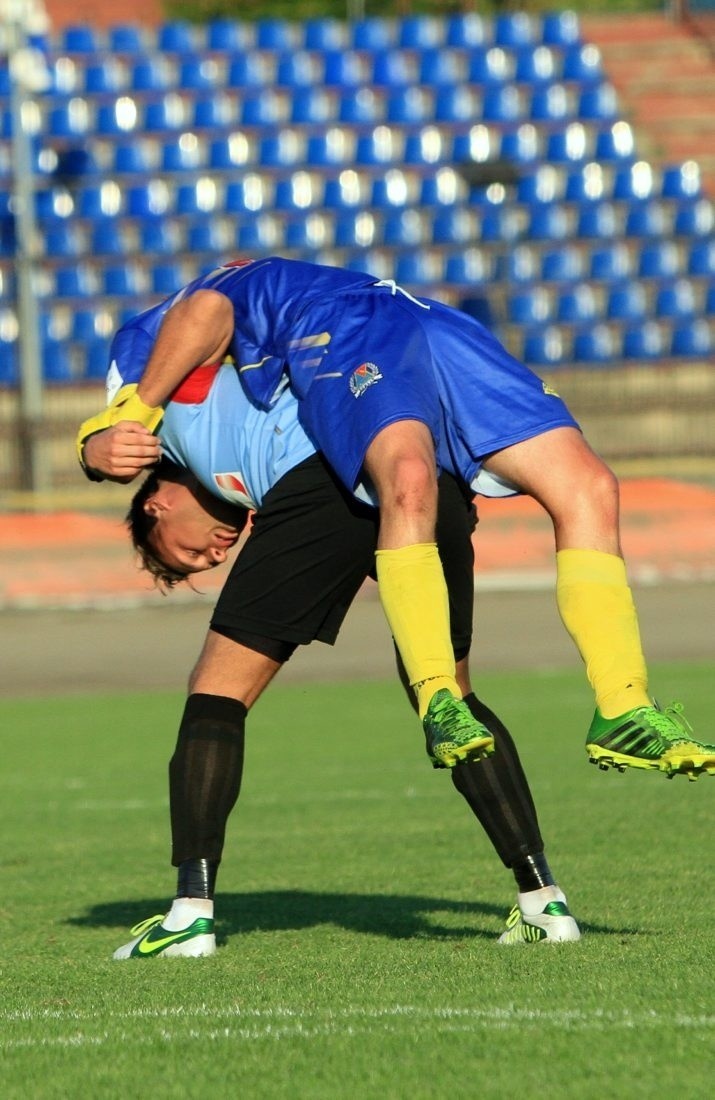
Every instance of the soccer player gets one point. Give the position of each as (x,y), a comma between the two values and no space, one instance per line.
(310,548)
(391,389)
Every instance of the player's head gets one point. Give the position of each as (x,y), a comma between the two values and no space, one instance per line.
(178,528)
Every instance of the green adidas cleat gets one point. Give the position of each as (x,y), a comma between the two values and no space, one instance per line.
(553,925)
(651,738)
(153,939)
(452,732)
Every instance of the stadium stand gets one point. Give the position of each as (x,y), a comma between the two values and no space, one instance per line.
(459,154)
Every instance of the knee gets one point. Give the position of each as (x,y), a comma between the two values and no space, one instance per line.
(408,484)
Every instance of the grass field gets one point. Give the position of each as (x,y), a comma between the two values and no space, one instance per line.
(358,911)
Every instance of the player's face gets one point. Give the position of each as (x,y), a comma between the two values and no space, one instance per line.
(194,531)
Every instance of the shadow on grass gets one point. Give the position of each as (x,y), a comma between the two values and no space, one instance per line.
(393,916)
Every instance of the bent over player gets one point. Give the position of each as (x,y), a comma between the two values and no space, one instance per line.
(218,450)
(391,389)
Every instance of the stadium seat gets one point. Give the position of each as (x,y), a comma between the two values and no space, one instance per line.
(199,197)
(159,236)
(354,229)
(182,154)
(598,104)
(646,219)
(467,29)
(445,187)
(544,184)
(313,106)
(265,108)
(503,104)
(595,344)
(126,38)
(166,278)
(107,76)
(350,189)
(627,302)
(659,260)
(420,267)
(178,37)
(56,361)
(228,36)
(9,372)
(151,73)
(644,341)
(582,65)
(325,34)
(521,146)
(331,147)
(577,305)
(420,32)
(490,66)
(701,260)
(391,190)
(171,112)
(74,282)
(549,222)
(611,263)
(361,105)
(248,195)
(394,68)
(81,38)
(695,338)
(199,73)
(124,280)
(410,105)
(501,223)
(677,301)
(373,33)
(405,229)
(300,69)
(457,103)
(471,266)
(62,239)
(300,191)
(586,184)
(96,359)
(150,199)
(570,145)
(83,325)
(277,34)
(217,111)
(109,238)
(235,150)
(308,233)
(599,220)
(514,29)
(529,306)
(695,219)
(383,145)
(210,235)
(345,69)
(560,28)
(260,233)
(565,264)
(544,346)
(70,119)
(283,149)
(634,183)
(442,66)
(615,143)
(709,307)
(551,104)
(250,69)
(681,181)
(521,264)
(535,65)
(455,225)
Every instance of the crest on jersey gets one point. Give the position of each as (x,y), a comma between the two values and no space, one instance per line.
(233,488)
(365,375)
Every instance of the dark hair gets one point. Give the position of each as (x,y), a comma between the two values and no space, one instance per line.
(140,525)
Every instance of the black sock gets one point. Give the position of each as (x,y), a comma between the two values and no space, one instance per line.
(497,792)
(532,872)
(204,782)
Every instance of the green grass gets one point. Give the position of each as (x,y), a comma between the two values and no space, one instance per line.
(358,910)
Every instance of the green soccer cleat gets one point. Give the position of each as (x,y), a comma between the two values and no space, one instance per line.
(452,732)
(153,939)
(553,925)
(648,737)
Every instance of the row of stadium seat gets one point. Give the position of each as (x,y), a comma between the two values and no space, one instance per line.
(81,117)
(543,346)
(391,69)
(467,29)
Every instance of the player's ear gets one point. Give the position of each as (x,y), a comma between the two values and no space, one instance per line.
(155,505)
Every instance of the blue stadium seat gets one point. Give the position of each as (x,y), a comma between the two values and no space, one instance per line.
(659,260)
(228,36)
(529,306)
(695,338)
(354,229)
(545,184)
(615,143)
(9,372)
(198,73)
(56,361)
(96,360)
(300,69)
(217,111)
(308,233)
(166,114)
(681,181)
(151,199)
(108,238)
(490,66)
(410,105)
(393,68)
(514,29)
(521,264)
(107,76)
(260,234)
(577,305)
(81,38)
(701,260)
(599,220)
(177,37)
(166,278)
(560,28)
(126,38)
(361,105)
(522,145)
(598,104)
(442,66)
(551,104)
(595,344)
(62,239)
(611,263)
(301,191)
(70,119)
(545,346)
(471,266)
(159,236)
(503,104)
(456,103)
(383,145)
(74,282)
(467,29)
(345,69)
(373,33)
(570,145)
(565,264)
(248,195)
(536,65)
(549,222)
(677,301)
(429,146)
(122,280)
(455,225)
(332,147)
(709,306)
(646,219)
(582,64)
(501,223)
(250,69)
(282,149)
(181,154)
(695,219)
(390,190)
(420,32)
(276,34)
(325,34)
(645,341)
(199,197)
(83,325)
(209,235)
(634,183)
(586,185)
(445,187)
(405,228)
(349,190)
(132,157)
(627,302)
(312,105)
(234,150)
(151,73)
(419,267)
(265,108)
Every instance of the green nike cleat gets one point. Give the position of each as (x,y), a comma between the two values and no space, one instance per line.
(553,925)
(452,732)
(153,939)
(648,737)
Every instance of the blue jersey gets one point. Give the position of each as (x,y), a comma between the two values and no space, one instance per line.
(360,354)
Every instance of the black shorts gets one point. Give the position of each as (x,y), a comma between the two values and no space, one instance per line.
(310,549)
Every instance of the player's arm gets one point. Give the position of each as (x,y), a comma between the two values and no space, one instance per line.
(121,452)
(195,331)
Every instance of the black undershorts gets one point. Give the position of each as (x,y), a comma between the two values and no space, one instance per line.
(311,547)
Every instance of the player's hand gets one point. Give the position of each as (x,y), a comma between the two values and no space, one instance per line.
(122,452)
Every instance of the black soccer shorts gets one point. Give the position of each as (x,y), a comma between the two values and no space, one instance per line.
(311,547)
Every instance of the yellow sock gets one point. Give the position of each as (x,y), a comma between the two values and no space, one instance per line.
(596,606)
(414,598)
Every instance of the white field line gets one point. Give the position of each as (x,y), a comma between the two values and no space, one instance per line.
(280,1023)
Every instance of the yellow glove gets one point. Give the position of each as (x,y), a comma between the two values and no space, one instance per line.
(125,406)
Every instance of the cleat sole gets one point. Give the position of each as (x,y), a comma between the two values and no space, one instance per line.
(689,765)
(478,749)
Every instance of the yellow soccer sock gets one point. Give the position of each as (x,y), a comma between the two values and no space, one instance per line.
(596,606)
(414,598)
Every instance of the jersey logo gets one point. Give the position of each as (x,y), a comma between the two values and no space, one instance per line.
(233,489)
(548,390)
(367,374)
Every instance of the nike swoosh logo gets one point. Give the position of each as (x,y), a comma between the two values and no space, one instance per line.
(151,946)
